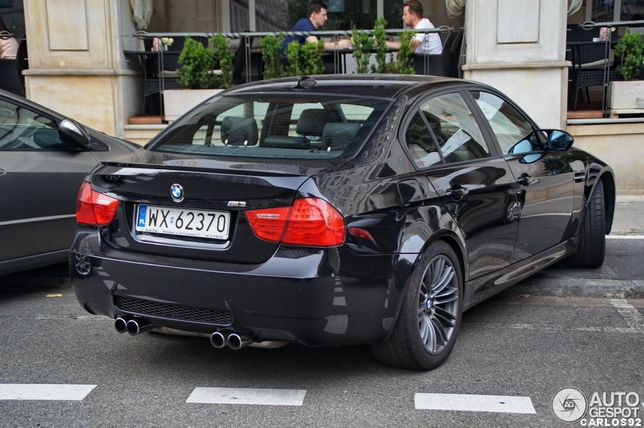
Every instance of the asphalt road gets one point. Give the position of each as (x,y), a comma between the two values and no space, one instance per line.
(562,328)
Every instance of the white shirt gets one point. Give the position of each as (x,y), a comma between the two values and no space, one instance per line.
(8,48)
(430,43)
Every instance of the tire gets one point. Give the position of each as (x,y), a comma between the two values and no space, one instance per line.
(592,236)
(426,329)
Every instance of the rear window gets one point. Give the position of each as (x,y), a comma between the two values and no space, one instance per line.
(288,125)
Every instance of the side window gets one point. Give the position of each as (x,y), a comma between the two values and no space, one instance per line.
(420,144)
(512,129)
(456,131)
(25,130)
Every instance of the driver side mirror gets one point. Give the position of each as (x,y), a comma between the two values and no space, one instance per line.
(74,133)
(558,140)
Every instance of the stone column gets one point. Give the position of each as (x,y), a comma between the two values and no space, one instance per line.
(518,46)
(76,61)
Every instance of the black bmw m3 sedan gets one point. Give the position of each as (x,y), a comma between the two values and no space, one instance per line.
(336,210)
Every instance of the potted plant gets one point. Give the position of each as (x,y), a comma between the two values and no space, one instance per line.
(628,96)
(272,55)
(203,72)
(364,45)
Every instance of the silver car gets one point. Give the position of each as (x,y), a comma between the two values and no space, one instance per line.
(43,160)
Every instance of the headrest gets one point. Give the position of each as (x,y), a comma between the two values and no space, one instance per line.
(285,142)
(338,135)
(311,122)
(239,131)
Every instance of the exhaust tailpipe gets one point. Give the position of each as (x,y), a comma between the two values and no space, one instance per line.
(236,342)
(120,325)
(218,340)
(138,326)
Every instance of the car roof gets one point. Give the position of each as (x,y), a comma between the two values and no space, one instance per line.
(370,85)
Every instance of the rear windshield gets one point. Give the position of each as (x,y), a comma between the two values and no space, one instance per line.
(289,125)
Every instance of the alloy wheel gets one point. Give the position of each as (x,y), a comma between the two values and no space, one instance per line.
(438,304)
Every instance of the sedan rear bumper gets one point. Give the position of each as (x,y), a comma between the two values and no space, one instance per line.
(298,295)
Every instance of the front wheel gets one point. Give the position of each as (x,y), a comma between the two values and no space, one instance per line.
(430,317)
(592,237)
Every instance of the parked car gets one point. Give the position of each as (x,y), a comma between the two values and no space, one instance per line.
(336,210)
(43,160)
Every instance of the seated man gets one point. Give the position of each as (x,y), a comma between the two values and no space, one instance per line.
(316,12)
(423,43)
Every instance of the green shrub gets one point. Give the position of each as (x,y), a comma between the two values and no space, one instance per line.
(196,63)
(223,59)
(380,42)
(272,55)
(293,58)
(362,46)
(630,51)
(305,59)
(311,58)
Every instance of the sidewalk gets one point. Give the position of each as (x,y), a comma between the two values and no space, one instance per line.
(629,215)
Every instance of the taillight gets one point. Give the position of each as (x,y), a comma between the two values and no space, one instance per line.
(309,222)
(93,207)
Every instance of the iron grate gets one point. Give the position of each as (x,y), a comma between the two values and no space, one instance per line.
(177,312)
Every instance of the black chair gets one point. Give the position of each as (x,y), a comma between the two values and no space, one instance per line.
(22,61)
(591,66)
(435,65)
(9,77)
(444,64)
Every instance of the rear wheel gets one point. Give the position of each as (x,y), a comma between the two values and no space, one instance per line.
(592,237)
(430,317)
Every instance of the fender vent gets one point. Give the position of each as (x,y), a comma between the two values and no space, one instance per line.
(147,308)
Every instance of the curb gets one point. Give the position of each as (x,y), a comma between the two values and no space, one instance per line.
(573,287)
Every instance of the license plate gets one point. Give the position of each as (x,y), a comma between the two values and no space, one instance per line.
(183,222)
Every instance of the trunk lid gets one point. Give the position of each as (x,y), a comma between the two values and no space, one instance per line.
(215,195)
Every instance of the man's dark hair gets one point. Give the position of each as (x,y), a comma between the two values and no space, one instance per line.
(314,6)
(414,7)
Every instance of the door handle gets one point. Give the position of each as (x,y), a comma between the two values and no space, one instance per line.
(579,177)
(524,179)
(456,193)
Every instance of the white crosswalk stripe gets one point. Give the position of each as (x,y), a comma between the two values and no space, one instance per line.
(35,391)
(256,396)
(474,403)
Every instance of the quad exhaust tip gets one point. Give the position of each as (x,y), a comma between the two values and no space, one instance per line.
(233,340)
(120,325)
(217,340)
(237,342)
(133,326)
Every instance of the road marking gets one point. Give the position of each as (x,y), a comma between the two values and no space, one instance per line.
(474,403)
(625,236)
(262,397)
(558,328)
(34,391)
(630,313)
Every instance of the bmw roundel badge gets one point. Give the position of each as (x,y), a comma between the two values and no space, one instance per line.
(176,191)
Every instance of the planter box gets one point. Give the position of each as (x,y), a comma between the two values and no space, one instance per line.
(176,102)
(626,97)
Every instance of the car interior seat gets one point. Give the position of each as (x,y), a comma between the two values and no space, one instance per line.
(239,131)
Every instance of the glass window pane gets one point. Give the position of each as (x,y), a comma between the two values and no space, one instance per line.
(455,128)
(507,123)
(302,126)
(25,130)
(420,144)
